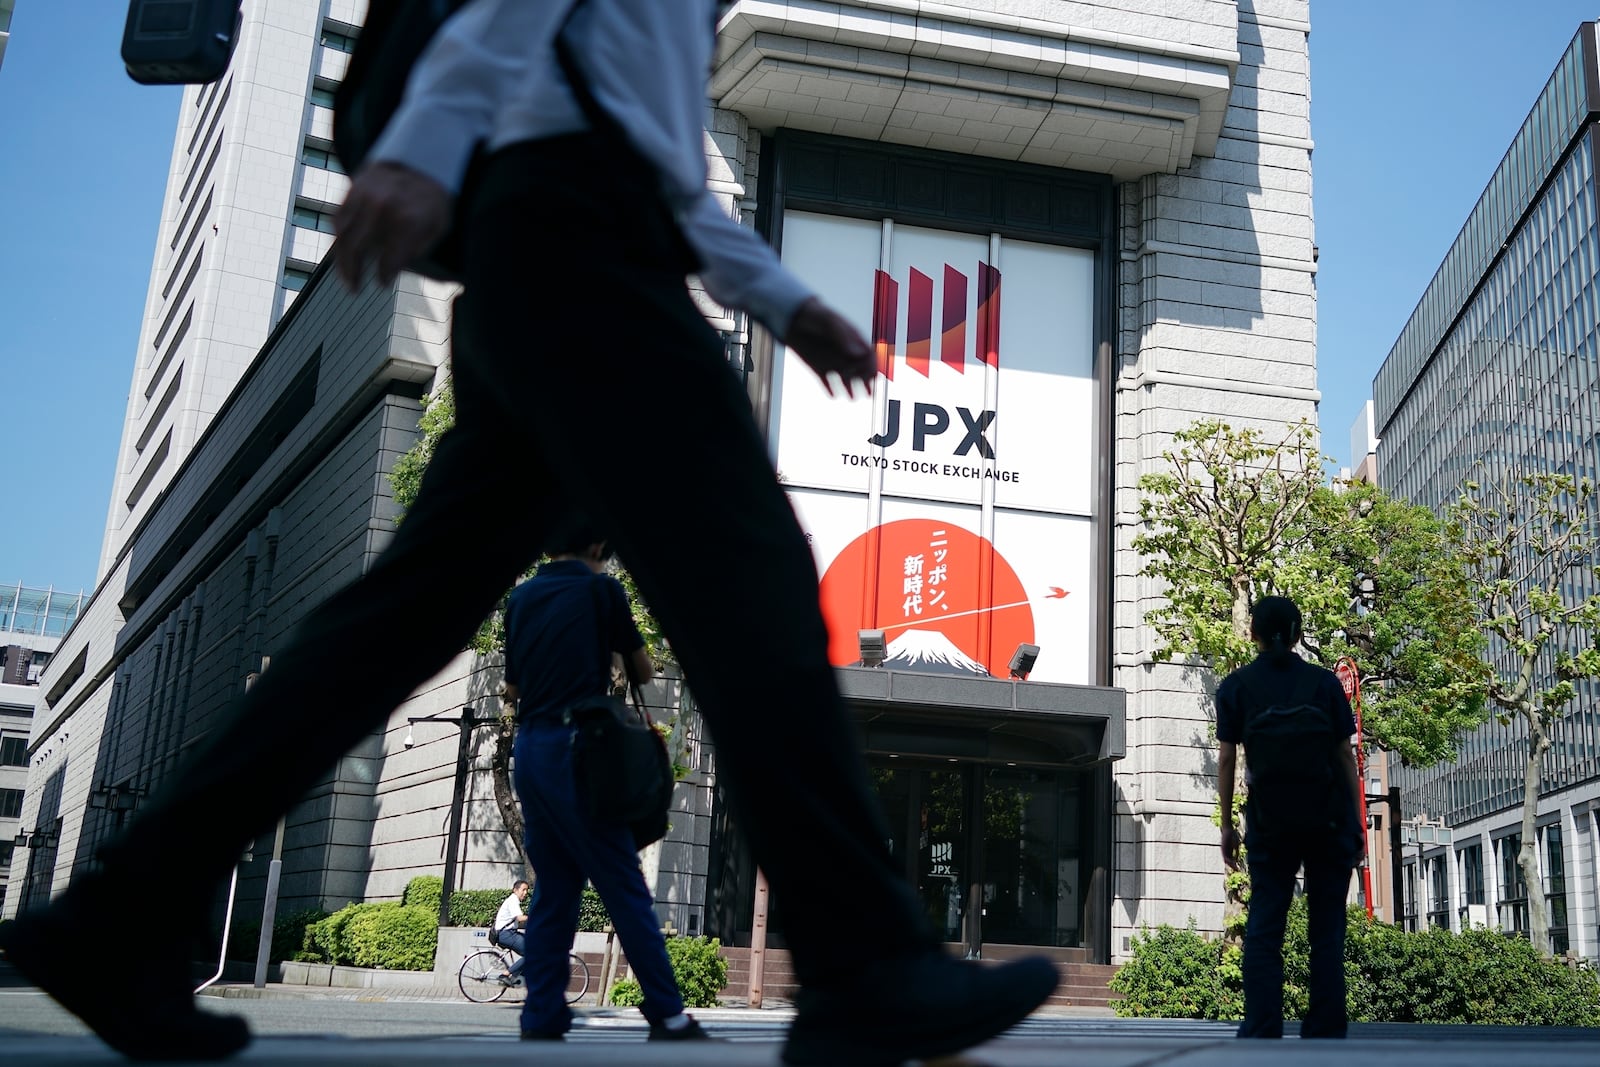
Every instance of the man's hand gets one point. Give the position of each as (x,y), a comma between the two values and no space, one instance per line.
(391,216)
(831,346)
(1230,847)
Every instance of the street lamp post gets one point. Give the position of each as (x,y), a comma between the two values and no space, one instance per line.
(468,721)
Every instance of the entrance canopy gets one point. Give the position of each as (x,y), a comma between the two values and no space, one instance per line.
(987,719)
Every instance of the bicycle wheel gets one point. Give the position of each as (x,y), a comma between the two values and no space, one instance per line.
(480,977)
(577,978)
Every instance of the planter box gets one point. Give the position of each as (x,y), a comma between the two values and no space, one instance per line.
(456,943)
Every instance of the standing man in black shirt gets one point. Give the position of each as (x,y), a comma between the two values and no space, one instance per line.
(1302,810)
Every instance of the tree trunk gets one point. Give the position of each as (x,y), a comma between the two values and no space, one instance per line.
(1237,884)
(1528,854)
(505,797)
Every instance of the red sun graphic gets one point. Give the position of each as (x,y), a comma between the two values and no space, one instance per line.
(945,599)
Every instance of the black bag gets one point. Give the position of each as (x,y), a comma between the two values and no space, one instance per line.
(1289,746)
(620,760)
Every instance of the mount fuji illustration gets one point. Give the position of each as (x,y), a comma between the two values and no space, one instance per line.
(930,652)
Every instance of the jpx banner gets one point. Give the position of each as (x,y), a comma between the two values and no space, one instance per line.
(980,435)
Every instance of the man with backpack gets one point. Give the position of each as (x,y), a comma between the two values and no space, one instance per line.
(1302,809)
(507,929)
(585,377)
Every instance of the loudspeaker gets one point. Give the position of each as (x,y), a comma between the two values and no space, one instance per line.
(179,42)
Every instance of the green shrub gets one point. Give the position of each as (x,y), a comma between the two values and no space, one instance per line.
(1177,974)
(592,915)
(1432,976)
(475,907)
(288,934)
(393,937)
(627,994)
(424,891)
(328,941)
(700,969)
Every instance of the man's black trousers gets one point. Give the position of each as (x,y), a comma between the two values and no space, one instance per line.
(583,373)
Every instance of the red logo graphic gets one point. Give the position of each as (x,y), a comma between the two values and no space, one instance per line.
(946,601)
(919,324)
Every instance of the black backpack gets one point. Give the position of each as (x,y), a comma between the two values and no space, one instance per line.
(1289,745)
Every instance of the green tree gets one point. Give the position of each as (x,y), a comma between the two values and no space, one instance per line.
(1528,540)
(405,481)
(1239,516)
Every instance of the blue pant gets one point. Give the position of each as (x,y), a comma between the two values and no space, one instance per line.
(512,939)
(1272,875)
(565,848)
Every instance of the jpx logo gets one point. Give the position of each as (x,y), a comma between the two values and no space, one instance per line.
(932,420)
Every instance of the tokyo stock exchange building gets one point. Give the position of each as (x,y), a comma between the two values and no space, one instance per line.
(1070,227)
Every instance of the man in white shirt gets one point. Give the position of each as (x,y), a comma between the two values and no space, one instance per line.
(584,373)
(508,924)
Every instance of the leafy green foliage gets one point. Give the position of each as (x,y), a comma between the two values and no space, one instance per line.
(288,934)
(699,967)
(1176,974)
(424,891)
(386,934)
(592,915)
(393,937)
(475,907)
(1238,517)
(1480,976)
(697,964)
(627,994)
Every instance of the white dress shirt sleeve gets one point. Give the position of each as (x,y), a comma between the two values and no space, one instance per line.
(741,270)
(472,65)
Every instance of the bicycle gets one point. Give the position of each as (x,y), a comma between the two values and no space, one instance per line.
(480,973)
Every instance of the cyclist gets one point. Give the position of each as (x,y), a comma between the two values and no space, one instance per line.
(507,932)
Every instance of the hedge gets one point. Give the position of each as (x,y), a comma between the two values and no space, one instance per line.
(474,907)
(592,915)
(424,891)
(387,935)
(1480,976)
(288,934)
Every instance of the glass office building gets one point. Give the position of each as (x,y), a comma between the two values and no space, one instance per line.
(1495,373)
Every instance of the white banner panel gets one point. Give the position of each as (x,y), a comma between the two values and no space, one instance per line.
(954,511)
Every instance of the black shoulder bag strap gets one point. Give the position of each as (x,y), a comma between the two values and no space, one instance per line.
(601,615)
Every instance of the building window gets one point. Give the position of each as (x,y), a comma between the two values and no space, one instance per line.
(10,803)
(321,96)
(312,219)
(295,278)
(1439,892)
(339,42)
(14,752)
(1513,904)
(1409,916)
(321,158)
(1471,882)
(1555,889)
(7,848)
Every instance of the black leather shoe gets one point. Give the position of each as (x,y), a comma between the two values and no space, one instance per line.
(914,1009)
(693,1032)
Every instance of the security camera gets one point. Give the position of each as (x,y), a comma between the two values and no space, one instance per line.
(410,742)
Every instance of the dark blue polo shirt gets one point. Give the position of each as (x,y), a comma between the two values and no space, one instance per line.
(553,643)
(1266,678)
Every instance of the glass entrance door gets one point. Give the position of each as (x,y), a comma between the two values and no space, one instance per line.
(927,809)
(1022,870)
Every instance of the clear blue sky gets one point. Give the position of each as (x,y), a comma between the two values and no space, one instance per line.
(1413,103)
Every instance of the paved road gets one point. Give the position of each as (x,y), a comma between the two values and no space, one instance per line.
(383,1033)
